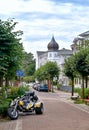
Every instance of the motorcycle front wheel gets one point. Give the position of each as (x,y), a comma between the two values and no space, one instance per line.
(12,113)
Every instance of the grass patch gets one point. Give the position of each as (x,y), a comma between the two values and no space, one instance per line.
(79,101)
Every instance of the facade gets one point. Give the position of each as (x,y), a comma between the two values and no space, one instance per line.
(78,42)
(54,54)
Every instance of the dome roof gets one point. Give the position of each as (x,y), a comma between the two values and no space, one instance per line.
(53,45)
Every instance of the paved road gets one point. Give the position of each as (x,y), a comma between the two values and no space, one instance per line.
(59,114)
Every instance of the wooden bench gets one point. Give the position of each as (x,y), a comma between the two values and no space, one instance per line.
(86,100)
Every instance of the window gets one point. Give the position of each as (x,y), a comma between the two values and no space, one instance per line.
(50,55)
(55,55)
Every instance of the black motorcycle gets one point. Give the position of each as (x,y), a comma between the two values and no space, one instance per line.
(27,103)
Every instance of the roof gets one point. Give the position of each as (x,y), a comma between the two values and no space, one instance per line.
(77,38)
(64,51)
(84,34)
(53,45)
(40,52)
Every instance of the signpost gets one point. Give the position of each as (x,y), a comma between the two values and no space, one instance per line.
(19,73)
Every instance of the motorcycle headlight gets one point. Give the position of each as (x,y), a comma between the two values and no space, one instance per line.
(21,103)
(37,104)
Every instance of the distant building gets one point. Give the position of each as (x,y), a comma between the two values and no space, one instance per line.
(54,54)
(78,42)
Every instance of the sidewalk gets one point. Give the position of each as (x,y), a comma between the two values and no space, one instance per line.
(67,99)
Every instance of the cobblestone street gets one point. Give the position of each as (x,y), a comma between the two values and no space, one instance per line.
(60,113)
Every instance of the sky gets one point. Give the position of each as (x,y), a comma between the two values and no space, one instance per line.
(41,19)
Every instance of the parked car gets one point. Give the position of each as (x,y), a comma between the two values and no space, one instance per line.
(43,87)
(36,85)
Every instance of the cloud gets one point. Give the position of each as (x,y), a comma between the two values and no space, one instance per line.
(40,19)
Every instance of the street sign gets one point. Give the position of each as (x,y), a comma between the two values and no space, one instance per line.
(19,73)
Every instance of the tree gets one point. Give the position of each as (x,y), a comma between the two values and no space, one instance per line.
(69,70)
(52,70)
(82,66)
(40,73)
(28,64)
(48,72)
(11,49)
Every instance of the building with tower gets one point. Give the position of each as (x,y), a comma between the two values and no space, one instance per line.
(54,54)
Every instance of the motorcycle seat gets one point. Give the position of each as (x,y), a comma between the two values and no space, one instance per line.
(29,93)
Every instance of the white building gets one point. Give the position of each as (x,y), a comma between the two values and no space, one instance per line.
(78,42)
(54,54)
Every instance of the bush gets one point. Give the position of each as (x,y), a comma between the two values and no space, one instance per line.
(14,93)
(22,90)
(79,101)
(58,86)
(86,92)
(79,91)
(4,104)
(3,92)
(17,91)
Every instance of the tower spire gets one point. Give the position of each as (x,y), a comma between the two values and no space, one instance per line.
(53,45)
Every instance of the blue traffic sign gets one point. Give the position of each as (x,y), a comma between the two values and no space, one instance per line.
(19,73)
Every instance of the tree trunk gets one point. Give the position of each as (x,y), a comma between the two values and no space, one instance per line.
(49,85)
(1,81)
(6,82)
(82,87)
(86,79)
(72,86)
(52,86)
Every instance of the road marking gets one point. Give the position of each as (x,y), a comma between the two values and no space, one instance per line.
(18,124)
